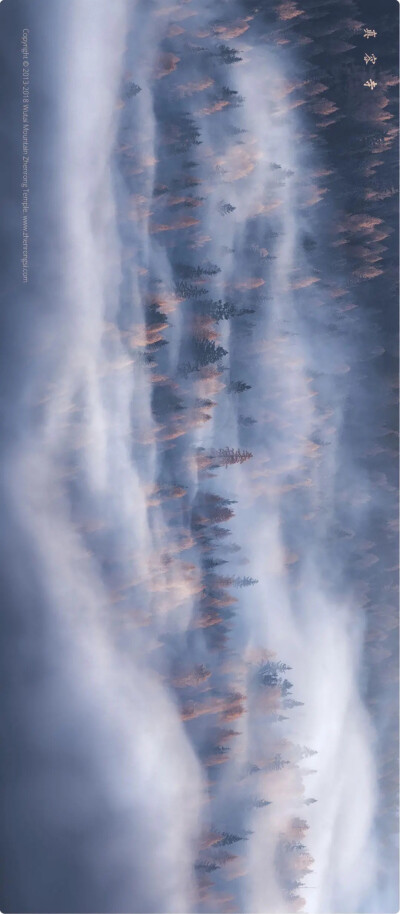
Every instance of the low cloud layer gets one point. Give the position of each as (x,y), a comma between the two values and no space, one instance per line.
(188,516)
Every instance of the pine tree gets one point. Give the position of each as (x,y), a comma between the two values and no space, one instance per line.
(208,866)
(299,824)
(228,55)
(270,672)
(220,532)
(187,368)
(228,456)
(277,763)
(206,352)
(247,421)
(306,752)
(235,131)
(203,403)
(187,290)
(189,272)
(237,387)
(223,311)
(132,89)
(222,514)
(189,133)
(192,201)
(154,316)
(220,310)
(227,838)
(291,703)
(213,499)
(225,208)
(269,679)
(286,686)
(296,846)
(213,563)
(232,96)
(244,582)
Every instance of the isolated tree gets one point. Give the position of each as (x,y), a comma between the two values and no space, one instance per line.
(192,201)
(270,679)
(223,311)
(211,498)
(220,310)
(306,752)
(277,763)
(290,888)
(228,838)
(225,208)
(232,96)
(213,563)
(299,824)
(270,672)
(219,533)
(295,846)
(188,132)
(228,456)
(235,582)
(187,271)
(203,403)
(132,89)
(187,290)
(222,514)
(244,582)
(238,387)
(154,316)
(201,672)
(208,866)
(206,352)
(187,368)
(235,131)
(228,55)
(220,750)
(247,421)
(286,686)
